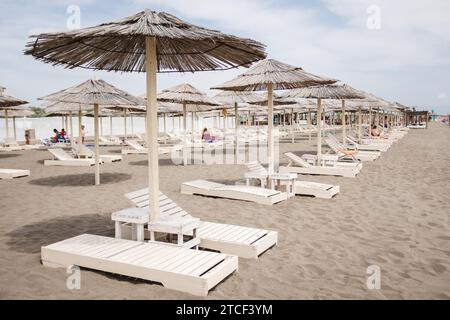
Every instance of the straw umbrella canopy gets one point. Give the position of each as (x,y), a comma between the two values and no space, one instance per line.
(147,42)
(273,75)
(8,103)
(94,92)
(192,100)
(331,91)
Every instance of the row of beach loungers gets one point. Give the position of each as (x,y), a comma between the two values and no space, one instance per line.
(205,253)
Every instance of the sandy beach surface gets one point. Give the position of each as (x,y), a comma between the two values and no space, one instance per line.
(395,215)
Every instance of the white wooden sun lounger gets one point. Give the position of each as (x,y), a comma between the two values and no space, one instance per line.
(338,148)
(187,270)
(62,158)
(367,145)
(304,188)
(235,192)
(301,166)
(244,242)
(84,152)
(13,173)
(136,148)
(107,142)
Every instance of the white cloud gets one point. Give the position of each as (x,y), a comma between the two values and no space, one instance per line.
(442,96)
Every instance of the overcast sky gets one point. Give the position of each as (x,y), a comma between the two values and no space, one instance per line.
(407,59)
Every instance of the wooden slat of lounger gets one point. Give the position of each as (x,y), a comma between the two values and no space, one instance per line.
(206,227)
(251,237)
(199,265)
(251,190)
(256,237)
(160,257)
(238,232)
(137,254)
(177,267)
(182,255)
(223,232)
(102,248)
(313,185)
(216,230)
(183,259)
(78,245)
(244,235)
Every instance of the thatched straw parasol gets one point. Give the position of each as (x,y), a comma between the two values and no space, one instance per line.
(187,95)
(331,91)
(273,75)
(95,92)
(148,42)
(8,103)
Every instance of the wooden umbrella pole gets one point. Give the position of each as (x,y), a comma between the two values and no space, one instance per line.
(344,127)
(165,124)
(152,116)
(110,126)
(236,125)
(97,149)
(14,128)
(319,131)
(132,124)
(125,122)
(270,126)
(71,126)
(309,124)
(173,123)
(359,124)
(100,121)
(6,124)
(80,139)
(292,125)
(192,127)
(66,122)
(184,134)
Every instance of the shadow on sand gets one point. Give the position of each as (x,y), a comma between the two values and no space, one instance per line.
(9,155)
(80,180)
(30,238)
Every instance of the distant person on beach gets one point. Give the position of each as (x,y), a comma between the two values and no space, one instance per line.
(27,139)
(83,134)
(376,133)
(206,136)
(56,136)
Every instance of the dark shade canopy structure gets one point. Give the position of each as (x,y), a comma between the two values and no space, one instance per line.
(148,42)
(272,75)
(120,46)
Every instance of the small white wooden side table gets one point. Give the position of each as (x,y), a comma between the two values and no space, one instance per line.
(284,179)
(137,217)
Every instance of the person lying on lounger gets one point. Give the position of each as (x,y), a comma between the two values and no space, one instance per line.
(207,137)
(376,133)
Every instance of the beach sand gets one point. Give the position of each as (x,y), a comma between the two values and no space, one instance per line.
(395,215)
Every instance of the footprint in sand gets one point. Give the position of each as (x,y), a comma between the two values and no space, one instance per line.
(438,268)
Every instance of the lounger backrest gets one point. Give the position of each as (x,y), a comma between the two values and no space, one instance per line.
(166,206)
(299,161)
(333,144)
(256,167)
(82,149)
(60,154)
(135,145)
